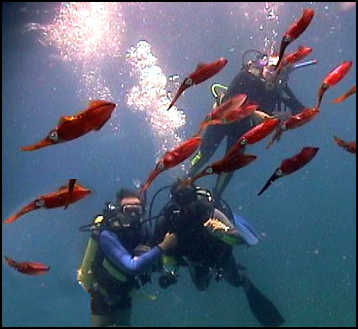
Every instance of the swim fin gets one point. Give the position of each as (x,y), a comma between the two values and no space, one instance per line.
(246,230)
(263,309)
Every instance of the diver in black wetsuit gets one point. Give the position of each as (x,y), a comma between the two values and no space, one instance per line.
(206,231)
(256,79)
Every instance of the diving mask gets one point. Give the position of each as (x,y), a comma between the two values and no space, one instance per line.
(126,216)
(264,67)
(132,210)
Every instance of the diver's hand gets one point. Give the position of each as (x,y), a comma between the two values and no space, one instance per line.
(215,225)
(169,242)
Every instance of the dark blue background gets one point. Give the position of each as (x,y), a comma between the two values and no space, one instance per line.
(306,260)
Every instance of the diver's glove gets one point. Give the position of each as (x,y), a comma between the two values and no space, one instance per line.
(215,225)
(169,242)
(224,232)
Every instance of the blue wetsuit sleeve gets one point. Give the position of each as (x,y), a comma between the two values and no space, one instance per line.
(120,257)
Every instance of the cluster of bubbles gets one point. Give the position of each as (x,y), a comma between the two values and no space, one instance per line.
(271,23)
(151,97)
(85,34)
(85,31)
(261,21)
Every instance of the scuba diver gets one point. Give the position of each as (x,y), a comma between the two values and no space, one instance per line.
(257,78)
(117,260)
(206,231)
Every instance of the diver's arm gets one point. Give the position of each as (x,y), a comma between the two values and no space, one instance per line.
(119,256)
(290,100)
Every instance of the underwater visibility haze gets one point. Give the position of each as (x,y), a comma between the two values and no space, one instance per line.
(60,57)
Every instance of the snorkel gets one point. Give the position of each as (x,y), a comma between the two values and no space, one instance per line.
(284,74)
(304,64)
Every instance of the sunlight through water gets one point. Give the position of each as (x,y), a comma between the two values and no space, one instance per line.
(86,34)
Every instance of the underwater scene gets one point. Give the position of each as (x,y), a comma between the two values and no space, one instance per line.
(179,164)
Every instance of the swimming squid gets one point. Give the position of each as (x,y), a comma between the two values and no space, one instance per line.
(229,163)
(77,125)
(203,72)
(30,268)
(231,115)
(173,158)
(348,146)
(290,165)
(255,134)
(297,55)
(60,198)
(293,122)
(343,97)
(295,30)
(332,78)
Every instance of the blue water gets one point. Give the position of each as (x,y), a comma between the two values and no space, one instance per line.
(306,259)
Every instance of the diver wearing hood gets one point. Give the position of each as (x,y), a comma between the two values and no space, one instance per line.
(257,79)
(206,231)
(117,260)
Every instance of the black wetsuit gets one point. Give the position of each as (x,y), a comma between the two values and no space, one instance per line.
(206,255)
(269,100)
(197,248)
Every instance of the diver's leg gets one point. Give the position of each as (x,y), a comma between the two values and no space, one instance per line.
(117,319)
(122,317)
(200,275)
(212,138)
(230,271)
(221,183)
(100,312)
(261,307)
(103,315)
(234,132)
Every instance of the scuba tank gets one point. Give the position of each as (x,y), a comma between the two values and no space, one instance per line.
(93,268)
(85,275)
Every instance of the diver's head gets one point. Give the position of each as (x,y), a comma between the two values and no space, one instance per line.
(129,210)
(254,61)
(264,67)
(183,193)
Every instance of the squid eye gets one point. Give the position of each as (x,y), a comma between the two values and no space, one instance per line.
(39,203)
(188,81)
(243,141)
(279,172)
(209,170)
(53,135)
(160,165)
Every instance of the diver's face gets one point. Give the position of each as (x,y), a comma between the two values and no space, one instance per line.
(132,211)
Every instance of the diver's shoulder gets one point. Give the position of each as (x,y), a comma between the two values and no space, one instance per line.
(107,234)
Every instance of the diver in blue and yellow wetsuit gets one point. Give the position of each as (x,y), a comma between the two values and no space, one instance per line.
(117,261)
(256,79)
